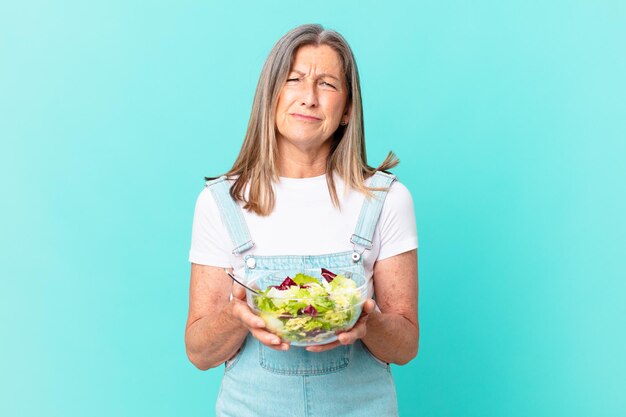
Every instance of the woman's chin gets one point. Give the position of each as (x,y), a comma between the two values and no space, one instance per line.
(304,142)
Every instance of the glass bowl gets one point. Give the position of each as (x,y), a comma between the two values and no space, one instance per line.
(308,314)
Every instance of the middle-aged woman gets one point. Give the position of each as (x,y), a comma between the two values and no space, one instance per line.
(301,195)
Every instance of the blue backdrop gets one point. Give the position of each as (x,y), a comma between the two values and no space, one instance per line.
(509,120)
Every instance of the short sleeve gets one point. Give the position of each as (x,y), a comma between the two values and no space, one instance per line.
(210,243)
(397,228)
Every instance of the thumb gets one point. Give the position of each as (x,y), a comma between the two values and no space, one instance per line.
(238,291)
(369,306)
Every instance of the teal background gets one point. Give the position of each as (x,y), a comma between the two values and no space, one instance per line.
(509,119)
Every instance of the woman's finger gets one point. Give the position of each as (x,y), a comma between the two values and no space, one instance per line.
(354,334)
(254,323)
(238,291)
(359,330)
(322,348)
(269,339)
(368,306)
(348,337)
(343,338)
(256,327)
(242,312)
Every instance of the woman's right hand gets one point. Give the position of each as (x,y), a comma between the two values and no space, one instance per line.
(242,312)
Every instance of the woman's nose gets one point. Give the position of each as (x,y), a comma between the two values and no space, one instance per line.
(308,95)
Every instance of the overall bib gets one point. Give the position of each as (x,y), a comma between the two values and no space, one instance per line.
(344,381)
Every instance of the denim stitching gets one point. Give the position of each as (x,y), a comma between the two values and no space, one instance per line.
(231,215)
(307,397)
(371,209)
(340,363)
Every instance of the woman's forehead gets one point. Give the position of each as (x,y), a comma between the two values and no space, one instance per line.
(321,59)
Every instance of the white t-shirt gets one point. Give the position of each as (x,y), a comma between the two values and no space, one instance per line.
(305,222)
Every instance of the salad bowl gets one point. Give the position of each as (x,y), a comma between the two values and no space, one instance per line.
(307,308)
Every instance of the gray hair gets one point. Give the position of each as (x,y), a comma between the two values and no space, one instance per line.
(256,164)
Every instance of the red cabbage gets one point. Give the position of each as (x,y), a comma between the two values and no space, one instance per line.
(310,310)
(288,282)
(328,276)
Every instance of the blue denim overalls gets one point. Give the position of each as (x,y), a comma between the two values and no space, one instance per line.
(344,381)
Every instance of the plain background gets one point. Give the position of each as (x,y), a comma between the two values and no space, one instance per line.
(509,120)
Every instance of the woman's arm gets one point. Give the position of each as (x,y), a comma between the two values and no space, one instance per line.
(217,326)
(392,335)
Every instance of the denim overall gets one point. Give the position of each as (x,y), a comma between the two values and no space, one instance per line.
(344,381)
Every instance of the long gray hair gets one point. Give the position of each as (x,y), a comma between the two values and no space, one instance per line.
(256,164)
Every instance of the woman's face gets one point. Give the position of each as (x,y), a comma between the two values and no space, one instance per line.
(312,102)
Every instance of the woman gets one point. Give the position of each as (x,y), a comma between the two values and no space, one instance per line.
(300,195)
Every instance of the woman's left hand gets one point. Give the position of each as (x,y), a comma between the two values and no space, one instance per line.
(348,337)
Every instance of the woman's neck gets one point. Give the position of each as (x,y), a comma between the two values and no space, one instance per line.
(296,163)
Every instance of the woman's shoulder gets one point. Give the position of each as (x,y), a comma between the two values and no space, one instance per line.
(397,190)
(206,201)
(398,197)
(212,196)
(397,223)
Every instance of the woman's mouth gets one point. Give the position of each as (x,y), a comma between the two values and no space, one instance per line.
(305,117)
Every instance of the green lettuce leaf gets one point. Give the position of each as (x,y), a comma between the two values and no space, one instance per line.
(301,279)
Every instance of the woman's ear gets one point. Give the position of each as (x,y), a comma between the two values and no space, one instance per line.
(345,118)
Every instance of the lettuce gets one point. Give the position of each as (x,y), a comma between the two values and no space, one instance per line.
(305,308)
(301,279)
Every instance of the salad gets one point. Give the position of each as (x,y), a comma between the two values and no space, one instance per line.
(307,310)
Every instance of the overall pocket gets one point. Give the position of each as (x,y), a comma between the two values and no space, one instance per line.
(230,363)
(299,361)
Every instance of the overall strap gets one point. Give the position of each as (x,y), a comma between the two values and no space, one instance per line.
(371,209)
(231,215)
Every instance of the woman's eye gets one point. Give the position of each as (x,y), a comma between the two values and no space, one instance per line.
(328,84)
(292,79)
